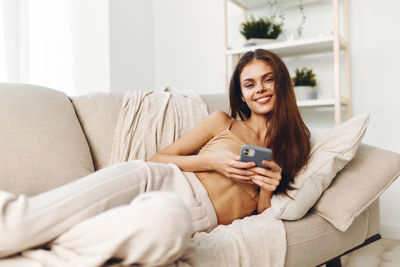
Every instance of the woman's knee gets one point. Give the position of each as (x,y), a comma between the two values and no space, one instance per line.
(169,223)
(166,211)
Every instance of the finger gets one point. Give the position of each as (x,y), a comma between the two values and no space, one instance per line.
(265,172)
(262,171)
(269,184)
(265,180)
(272,164)
(235,156)
(242,165)
(265,186)
(241,178)
(242,172)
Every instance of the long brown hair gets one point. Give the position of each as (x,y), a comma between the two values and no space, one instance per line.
(289,137)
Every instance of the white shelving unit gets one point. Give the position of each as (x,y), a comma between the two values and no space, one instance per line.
(334,44)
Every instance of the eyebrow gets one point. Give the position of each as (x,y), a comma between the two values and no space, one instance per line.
(250,79)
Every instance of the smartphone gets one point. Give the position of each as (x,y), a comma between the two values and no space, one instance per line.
(255,154)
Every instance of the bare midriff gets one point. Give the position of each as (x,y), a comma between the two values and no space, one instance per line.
(231,200)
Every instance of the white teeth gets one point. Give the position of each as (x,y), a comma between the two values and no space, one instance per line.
(263,99)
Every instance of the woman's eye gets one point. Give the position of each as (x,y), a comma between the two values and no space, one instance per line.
(248,85)
(270,80)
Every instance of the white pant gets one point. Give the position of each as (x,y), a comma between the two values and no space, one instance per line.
(153,229)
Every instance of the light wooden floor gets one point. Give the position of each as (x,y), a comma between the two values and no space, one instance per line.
(382,253)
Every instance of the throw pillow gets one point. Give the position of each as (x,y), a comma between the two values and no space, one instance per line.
(360,183)
(330,152)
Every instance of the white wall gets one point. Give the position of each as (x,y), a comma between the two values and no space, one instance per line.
(375,42)
(90,28)
(11,62)
(189,42)
(159,43)
(131,45)
(375,56)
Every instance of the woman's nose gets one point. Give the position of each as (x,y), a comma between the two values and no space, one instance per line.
(260,88)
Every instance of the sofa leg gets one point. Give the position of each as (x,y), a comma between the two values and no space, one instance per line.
(334,263)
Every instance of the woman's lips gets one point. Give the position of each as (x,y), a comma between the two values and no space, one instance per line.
(263,100)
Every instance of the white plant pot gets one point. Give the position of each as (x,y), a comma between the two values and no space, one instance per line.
(259,41)
(305,92)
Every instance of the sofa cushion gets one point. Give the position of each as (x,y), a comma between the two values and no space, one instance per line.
(216,102)
(42,144)
(330,152)
(360,183)
(98,115)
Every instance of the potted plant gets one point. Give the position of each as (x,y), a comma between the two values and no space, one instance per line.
(304,84)
(276,10)
(257,31)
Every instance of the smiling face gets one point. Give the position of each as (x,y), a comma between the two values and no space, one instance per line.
(257,82)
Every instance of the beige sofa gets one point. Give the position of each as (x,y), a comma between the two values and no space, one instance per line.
(49,139)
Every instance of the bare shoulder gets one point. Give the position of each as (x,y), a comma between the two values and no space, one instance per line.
(220,116)
(219,121)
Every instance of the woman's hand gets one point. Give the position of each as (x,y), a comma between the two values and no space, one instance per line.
(228,164)
(267,179)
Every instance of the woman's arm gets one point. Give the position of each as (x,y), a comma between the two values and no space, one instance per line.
(225,162)
(181,151)
(268,180)
(264,200)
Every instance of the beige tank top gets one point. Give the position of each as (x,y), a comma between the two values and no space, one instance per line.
(231,200)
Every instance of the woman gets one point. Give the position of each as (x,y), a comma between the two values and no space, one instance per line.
(261,95)
(89,221)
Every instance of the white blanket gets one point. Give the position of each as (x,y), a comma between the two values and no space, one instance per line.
(258,240)
(149,121)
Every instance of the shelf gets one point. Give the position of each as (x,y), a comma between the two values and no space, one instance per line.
(331,44)
(294,48)
(252,4)
(320,102)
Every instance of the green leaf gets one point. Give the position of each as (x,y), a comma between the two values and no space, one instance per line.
(260,28)
(304,77)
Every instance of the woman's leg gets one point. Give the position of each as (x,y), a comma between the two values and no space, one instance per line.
(30,222)
(27,222)
(153,230)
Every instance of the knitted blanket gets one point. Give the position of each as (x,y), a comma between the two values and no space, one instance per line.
(150,121)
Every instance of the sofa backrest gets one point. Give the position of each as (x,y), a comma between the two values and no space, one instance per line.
(47,141)
(42,145)
(98,113)
(216,102)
